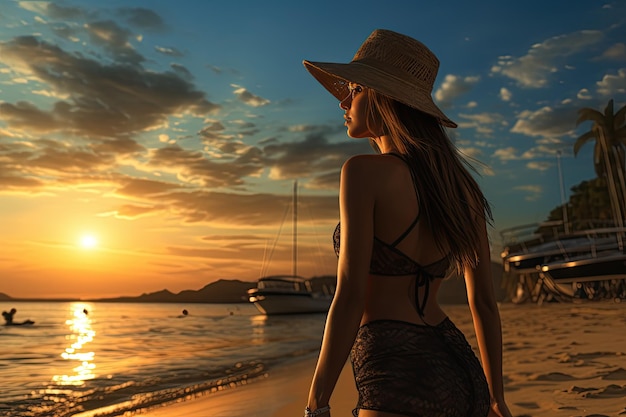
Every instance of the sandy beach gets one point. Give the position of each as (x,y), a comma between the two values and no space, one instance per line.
(559,360)
(282,393)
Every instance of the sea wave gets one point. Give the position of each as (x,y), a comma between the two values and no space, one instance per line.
(129,358)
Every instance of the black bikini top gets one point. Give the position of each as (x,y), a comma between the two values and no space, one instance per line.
(388,260)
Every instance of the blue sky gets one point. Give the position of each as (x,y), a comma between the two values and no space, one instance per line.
(171,132)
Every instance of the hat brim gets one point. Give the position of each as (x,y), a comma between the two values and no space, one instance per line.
(335,78)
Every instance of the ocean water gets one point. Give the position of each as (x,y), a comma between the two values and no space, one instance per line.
(100,359)
(85,359)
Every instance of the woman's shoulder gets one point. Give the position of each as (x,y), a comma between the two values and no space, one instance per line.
(374,175)
(372,164)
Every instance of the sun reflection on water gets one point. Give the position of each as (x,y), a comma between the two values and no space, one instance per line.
(81,334)
(259,324)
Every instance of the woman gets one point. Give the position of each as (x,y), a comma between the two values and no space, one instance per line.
(410,216)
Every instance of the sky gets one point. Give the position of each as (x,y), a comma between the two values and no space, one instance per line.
(155,144)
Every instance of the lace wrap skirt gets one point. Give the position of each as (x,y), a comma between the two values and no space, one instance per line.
(418,370)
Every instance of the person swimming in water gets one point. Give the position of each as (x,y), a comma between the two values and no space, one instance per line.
(8,318)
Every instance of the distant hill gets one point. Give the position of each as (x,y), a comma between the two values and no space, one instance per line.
(4,297)
(221,291)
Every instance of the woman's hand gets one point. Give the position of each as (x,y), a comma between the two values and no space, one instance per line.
(499,410)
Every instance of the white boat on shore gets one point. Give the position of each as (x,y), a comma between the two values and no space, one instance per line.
(288,295)
(588,264)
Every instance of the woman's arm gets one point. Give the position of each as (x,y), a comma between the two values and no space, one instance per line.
(356,204)
(486,317)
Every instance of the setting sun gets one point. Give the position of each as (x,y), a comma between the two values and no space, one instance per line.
(88,241)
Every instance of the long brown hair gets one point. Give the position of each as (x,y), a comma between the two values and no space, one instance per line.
(449,196)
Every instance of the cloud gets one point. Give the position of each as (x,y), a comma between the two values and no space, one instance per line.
(615,52)
(539,165)
(143,18)
(234,209)
(220,144)
(54,10)
(64,31)
(115,40)
(168,51)
(182,71)
(547,121)
(49,166)
(533,69)
(144,188)
(312,157)
(52,167)
(97,109)
(214,126)
(248,98)
(131,211)
(534,191)
(105,100)
(583,94)
(471,152)
(613,84)
(505,94)
(24,115)
(192,167)
(506,154)
(541,150)
(452,87)
(483,123)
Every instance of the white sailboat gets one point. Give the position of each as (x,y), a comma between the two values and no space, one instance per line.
(290,294)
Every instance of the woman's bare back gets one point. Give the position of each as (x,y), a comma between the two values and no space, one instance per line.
(396,208)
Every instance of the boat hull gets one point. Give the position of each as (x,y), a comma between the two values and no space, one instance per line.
(290,295)
(588,269)
(554,252)
(583,264)
(276,303)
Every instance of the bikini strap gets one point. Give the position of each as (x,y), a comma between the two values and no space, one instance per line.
(419,211)
(406,232)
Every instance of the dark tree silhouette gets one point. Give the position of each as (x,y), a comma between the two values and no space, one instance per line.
(609,132)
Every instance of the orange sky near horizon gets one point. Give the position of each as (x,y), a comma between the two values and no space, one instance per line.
(47,258)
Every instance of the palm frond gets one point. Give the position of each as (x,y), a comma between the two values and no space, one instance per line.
(608,110)
(593,115)
(582,140)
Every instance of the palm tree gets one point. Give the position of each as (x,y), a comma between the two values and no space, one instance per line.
(609,132)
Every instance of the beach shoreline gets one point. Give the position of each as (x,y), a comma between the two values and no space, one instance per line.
(560,360)
(282,392)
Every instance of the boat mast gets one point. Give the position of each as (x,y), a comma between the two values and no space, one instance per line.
(295,229)
(562,187)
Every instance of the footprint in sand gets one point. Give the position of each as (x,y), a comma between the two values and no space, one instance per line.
(610,391)
(617,375)
(529,405)
(552,376)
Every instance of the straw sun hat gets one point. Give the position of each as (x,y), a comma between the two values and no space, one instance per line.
(392,64)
